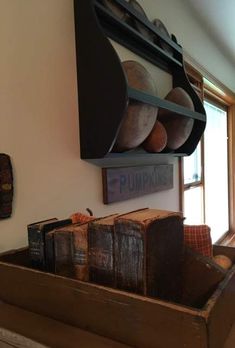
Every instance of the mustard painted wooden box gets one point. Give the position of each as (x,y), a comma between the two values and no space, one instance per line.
(125,317)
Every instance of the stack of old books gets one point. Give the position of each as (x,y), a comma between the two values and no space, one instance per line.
(140,251)
(41,239)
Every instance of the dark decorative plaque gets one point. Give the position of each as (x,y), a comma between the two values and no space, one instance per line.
(6,186)
(124,183)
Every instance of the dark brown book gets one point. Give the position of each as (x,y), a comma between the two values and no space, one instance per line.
(36,232)
(50,247)
(50,252)
(36,237)
(71,251)
(101,251)
(63,252)
(149,253)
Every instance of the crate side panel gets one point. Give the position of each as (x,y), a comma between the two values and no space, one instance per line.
(16,257)
(15,321)
(224,250)
(201,277)
(128,318)
(222,314)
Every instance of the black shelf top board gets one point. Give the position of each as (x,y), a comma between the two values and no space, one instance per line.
(143,21)
(127,36)
(148,25)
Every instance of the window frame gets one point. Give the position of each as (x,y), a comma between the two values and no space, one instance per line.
(204,84)
(197,184)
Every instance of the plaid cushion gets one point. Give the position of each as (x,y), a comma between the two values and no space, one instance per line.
(198,238)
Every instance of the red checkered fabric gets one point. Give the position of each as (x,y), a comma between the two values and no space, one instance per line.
(198,238)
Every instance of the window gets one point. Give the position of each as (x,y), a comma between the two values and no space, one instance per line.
(216,170)
(193,188)
(206,175)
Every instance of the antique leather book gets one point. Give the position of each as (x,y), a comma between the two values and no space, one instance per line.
(36,238)
(101,251)
(77,218)
(71,251)
(149,253)
(36,242)
(50,252)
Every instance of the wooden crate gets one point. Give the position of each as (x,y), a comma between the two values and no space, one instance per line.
(125,317)
(23,329)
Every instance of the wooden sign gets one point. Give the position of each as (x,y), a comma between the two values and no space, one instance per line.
(124,183)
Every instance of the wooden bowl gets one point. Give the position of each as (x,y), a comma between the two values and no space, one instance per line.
(157,139)
(178,127)
(140,27)
(140,117)
(116,10)
(161,27)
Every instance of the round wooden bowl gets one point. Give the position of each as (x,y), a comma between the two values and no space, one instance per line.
(157,139)
(116,10)
(140,27)
(178,127)
(140,117)
(161,27)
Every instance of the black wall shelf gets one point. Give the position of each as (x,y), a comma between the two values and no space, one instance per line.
(102,86)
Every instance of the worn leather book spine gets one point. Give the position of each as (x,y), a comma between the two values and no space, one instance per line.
(101,251)
(50,252)
(36,238)
(80,252)
(149,253)
(129,256)
(63,252)
(71,251)
(36,242)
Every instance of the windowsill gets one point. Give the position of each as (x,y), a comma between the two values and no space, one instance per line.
(228,239)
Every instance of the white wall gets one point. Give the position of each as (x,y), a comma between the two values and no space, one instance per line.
(181,21)
(39,115)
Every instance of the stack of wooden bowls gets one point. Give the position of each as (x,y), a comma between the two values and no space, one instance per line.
(144,124)
(178,127)
(171,129)
(140,117)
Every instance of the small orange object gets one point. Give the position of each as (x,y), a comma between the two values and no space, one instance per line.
(223,261)
(80,217)
(157,139)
